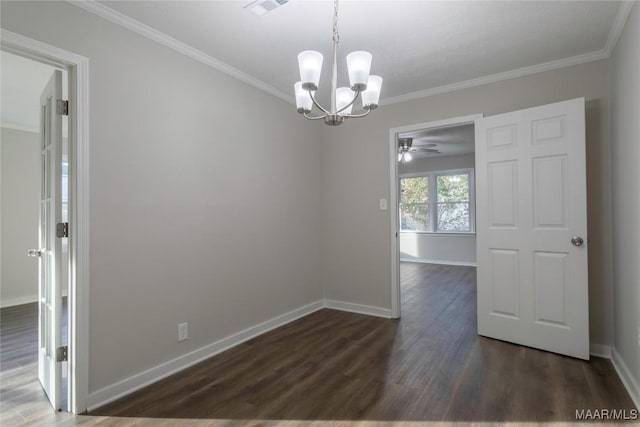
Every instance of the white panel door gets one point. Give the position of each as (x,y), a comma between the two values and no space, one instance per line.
(531,228)
(50,296)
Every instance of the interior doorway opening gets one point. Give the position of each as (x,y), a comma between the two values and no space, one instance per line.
(437,195)
(77,207)
(433,194)
(531,276)
(26,200)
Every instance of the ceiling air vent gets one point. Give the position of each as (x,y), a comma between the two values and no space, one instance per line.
(260,7)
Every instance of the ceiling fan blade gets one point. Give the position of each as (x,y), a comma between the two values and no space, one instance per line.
(424,150)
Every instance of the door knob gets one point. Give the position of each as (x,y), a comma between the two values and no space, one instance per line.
(577,241)
(35,253)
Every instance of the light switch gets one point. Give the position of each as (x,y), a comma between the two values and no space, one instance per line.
(383,204)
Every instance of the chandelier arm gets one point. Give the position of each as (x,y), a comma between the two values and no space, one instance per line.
(357,116)
(306,116)
(317,104)
(349,104)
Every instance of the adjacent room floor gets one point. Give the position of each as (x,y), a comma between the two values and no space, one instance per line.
(428,366)
(21,395)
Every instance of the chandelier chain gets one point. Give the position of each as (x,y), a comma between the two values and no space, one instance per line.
(336,36)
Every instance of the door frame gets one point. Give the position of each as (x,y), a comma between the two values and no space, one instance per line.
(394,200)
(78,306)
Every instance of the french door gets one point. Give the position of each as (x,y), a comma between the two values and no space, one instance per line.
(50,237)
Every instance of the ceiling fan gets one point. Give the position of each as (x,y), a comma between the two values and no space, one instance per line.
(405,149)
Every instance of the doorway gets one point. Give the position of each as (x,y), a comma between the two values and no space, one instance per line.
(436,205)
(433,192)
(25,307)
(76,206)
(532,281)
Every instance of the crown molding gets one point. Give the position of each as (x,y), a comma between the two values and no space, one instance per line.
(614,34)
(618,25)
(144,30)
(493,78)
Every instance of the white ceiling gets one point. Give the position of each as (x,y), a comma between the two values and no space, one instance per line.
(416,45)
(448,140)
(20,86)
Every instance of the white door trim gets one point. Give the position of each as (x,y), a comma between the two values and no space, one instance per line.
(78,67)
(393,197)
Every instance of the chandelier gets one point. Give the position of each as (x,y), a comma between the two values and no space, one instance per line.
(342,98)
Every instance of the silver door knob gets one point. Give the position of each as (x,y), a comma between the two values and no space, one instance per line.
(35,253)
(577,241)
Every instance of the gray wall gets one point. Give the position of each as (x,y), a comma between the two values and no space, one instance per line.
(177,233)
(625,77)
(433,247)
(356,235)
(19,195)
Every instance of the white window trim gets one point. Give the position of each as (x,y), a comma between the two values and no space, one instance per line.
(433,202)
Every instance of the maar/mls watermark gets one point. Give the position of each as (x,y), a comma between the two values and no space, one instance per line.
(606,414)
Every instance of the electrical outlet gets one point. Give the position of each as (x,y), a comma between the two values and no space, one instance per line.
(183,331)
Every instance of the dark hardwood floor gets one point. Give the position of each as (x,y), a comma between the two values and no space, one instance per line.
(428,366)
(337,368)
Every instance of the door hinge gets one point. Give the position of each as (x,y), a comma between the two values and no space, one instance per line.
(62,354)
(62,107)
(62,229)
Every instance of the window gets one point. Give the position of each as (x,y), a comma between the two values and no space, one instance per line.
(414,204)
(437,202)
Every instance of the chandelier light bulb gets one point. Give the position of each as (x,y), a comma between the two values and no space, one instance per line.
(407,156)
(399,157)
(310,64)
(303,100)
(344,96)
(359,65)
(371,96)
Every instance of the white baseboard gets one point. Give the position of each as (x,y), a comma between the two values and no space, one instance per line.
(129,385)
(630,383)
(439,261)
(600,350)
(358,308)
(10,302)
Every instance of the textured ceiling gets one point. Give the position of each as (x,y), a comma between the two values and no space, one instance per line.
(416,45)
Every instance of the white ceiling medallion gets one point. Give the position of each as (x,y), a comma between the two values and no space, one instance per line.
(342,98)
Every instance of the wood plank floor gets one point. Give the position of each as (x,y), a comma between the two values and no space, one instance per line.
(338,367)
(21,396)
